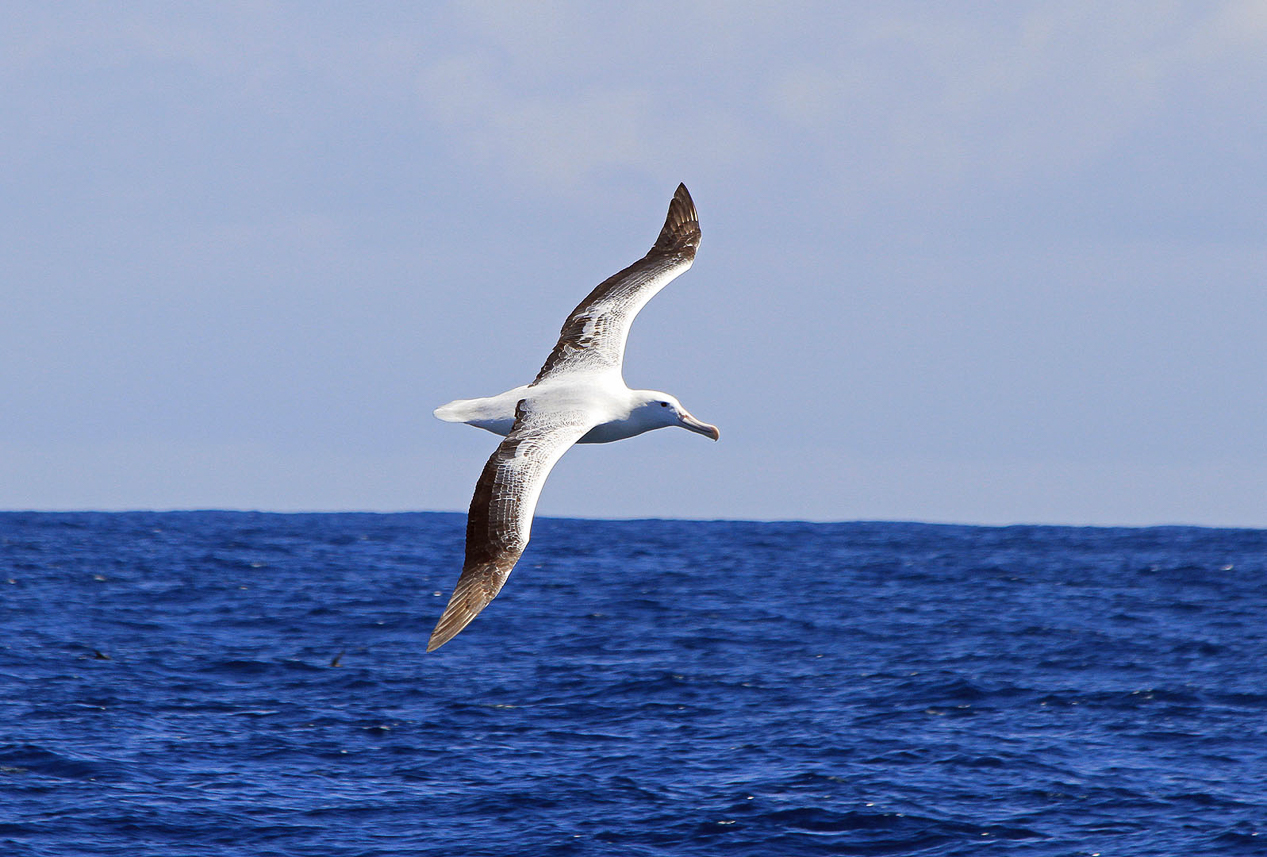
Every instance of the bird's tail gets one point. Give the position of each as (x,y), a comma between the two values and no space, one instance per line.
(454,412)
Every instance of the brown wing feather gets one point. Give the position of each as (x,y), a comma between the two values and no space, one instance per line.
(594,334)
(500,519)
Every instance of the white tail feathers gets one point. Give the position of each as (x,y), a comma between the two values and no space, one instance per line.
(453,412)
(495,413)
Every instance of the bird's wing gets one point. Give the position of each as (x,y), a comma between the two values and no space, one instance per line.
(593,337)
(500,519)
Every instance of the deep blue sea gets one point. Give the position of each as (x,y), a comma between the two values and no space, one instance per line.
(256,684)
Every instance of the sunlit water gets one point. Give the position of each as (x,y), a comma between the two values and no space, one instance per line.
(247,684)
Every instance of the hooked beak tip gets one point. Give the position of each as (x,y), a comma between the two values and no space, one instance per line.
(689,422)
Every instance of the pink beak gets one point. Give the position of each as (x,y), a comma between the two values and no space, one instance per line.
(689,422)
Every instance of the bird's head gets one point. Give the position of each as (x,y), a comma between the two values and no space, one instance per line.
(662,410)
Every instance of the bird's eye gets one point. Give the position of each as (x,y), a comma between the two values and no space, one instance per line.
(664,404)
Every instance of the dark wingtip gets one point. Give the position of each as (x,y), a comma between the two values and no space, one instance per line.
(455,618)
(681,226)
(478,585)
(457,615)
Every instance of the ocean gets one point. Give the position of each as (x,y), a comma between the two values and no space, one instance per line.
(256,684)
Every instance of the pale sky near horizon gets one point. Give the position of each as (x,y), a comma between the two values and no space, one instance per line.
(980,263)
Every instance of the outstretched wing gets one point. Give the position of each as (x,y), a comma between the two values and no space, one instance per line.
(500,520)
(594,335)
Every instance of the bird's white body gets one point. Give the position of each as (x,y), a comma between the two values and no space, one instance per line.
(617,411)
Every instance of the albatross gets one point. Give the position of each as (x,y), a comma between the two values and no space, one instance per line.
(579,396)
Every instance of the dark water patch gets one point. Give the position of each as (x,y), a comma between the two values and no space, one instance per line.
(38,761)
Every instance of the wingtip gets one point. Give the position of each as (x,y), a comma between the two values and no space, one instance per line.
(457,615)
(476,588)
(449,626)
(681,225)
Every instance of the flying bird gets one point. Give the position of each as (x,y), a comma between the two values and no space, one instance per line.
(579,396)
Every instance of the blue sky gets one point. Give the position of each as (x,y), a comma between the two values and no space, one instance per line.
(985,263)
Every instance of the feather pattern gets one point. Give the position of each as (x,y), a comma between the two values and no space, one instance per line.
(594,335)
(500,519)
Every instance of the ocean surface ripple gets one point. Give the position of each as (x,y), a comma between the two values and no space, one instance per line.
(256,684)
